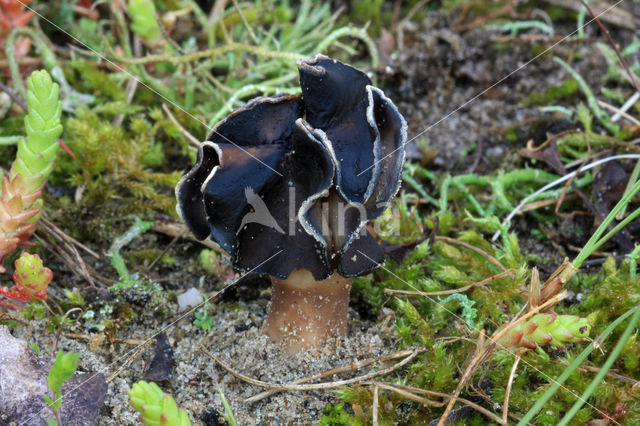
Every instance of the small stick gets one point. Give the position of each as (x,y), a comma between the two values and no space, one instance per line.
(409,395)
(619,112)
(59,331)
(315,386)
(473,248)
(374,407)
(346,368)
(452,291)
(177,229)
(194,141)
(611,374)
(505,406)
(402,389)
(604,30)
(15,97)
(79,336)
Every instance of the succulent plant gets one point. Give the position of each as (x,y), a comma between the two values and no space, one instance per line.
(12,15)
(20,200)
(156,407)
(31,277)
(547,329)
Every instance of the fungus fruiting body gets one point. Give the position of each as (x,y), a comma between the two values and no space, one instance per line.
(287,184)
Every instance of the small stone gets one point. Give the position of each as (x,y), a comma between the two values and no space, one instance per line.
(189,299)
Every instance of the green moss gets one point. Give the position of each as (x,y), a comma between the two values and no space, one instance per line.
(552,94)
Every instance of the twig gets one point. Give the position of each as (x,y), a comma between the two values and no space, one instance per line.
(452,291)
(604,30)
(407,389)
(194,141)
(615,16)
(374,407)
(611,374)
(507,394)
(619,112)
(346,368)
(245,23)
(473,248)
(130,91)
(177,229)
(59,331)
(15,97)
(315,386)
(110,340)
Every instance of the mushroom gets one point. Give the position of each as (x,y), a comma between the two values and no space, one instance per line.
(286,186)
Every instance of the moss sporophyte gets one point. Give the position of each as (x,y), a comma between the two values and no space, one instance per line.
(290,197)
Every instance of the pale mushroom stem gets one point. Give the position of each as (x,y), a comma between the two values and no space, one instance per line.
(305,312)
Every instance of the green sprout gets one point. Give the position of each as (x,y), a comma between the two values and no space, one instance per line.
(62,370)
(203,320)
(156,407)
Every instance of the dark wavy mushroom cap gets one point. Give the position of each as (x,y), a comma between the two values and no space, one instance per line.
(289,183)
(348,149)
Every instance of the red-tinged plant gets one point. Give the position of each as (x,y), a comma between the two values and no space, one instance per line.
(16,213)
(13,16)
(20,200)
(31,279)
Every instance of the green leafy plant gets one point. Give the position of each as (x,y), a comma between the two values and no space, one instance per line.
(20,200)
(156,407)
(203,320)
(142,13)
(62,370)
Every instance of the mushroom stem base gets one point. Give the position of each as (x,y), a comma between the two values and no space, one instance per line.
(305,312)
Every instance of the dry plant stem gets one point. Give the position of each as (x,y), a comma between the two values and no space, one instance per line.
(194,141)
(345,368)
(59,331)
(507,394)
(620,112)
(486,350)
(406,391)
(109,340)
(612,374)
(473,248)
(374,407)
(305,312)
(482,283)
(558,279)
(177,229)
(314,386)
(10,305)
